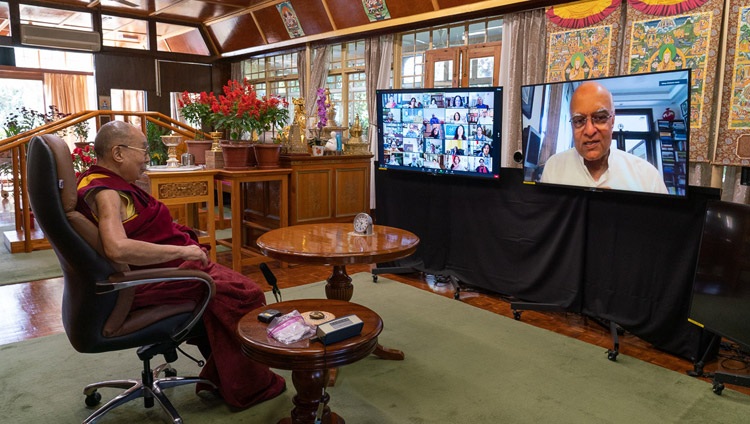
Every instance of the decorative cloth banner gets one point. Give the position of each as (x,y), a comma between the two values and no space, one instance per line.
(665,7)
(688,40)
(733,146)
(585,51)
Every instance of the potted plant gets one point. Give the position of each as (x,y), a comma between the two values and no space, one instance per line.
(196,109)
(273,114)
(240,112)
(315,140)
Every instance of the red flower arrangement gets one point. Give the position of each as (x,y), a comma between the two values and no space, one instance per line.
(83,158)
(240,110)
(196,109)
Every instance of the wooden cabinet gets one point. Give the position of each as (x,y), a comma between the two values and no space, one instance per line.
(328,188)
(321,189)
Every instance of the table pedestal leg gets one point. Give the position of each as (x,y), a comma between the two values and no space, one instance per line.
(309,386)
(339,285)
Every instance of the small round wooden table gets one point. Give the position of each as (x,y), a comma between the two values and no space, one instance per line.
(336,244)
(309,362)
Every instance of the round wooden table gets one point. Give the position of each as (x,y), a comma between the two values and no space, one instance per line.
(309,362)
(336,244)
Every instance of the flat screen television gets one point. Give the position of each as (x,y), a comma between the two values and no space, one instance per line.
(449,131)
(721,285)
(565,132)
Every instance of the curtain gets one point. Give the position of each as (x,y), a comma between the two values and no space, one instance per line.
(318,74)
(69,92)
(378,63)
(301,74)
(235,72)
(522,61)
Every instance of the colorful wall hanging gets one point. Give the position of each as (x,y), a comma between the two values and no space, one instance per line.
(376,10)
(733,147)
(582,36)
(291,22)
(657,39)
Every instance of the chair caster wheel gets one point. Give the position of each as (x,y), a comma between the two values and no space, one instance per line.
(170,372)
(718,388)
(374,278)
(93,399)
(612,355)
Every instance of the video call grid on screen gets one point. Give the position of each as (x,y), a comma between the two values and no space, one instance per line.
(652,121)
(454,132)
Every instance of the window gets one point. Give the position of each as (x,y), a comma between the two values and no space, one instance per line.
(124,32)
(346,81)
(274,75)
(437,57)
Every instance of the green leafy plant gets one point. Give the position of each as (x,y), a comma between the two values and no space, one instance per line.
(196,109)
(156,148)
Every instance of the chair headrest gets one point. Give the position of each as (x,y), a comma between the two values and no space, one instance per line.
(67,182)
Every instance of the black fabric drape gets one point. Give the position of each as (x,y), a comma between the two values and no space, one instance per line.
(617,256)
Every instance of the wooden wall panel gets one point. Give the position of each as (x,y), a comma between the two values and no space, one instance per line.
(312,16)
(127,72)
(347,13)
(400,9)
(185,77)
(236,33)
(271,24)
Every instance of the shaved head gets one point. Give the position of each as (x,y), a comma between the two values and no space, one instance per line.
(112,134)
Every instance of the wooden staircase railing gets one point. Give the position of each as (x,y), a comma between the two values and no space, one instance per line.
(26,238)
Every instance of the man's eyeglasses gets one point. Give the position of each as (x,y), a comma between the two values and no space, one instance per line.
(598,119)
(145,151)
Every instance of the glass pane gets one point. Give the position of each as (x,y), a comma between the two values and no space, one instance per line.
(476,33)
(357,99)
(632,122)
(423,41)
(124,32)
(335,87)
(480,71)
(336,56)
(495,30)
(440,38)
(407,43)
(457,36)
(443,72)
(636,147)
(355,54)
(180,39)
(46,16)
(18,93)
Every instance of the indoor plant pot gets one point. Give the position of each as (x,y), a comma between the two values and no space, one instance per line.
(198,149)
(235,154)
(267,155)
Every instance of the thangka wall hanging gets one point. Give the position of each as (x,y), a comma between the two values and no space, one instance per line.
(678,35)
(291,22)
(376,10)
(733,146)
(582,39)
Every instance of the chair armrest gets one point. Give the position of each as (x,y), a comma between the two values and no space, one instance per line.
(123,280)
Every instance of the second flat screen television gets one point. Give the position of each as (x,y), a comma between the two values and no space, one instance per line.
(566,127)
(451,131)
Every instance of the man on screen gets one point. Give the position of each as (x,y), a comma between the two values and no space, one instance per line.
(592,163)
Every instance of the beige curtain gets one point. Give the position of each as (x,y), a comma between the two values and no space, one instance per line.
(522,61)
(378,63)
(301,74)
(69,92)
(318,74)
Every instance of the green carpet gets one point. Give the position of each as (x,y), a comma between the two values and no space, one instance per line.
(24,267)
(463,365)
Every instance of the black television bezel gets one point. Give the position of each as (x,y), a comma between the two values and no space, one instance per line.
(716,321)
(527,173)
(497,118)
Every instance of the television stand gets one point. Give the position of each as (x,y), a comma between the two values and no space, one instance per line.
(614,329)
(723,377)
(402,269)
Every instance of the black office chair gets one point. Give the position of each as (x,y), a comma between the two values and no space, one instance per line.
(98,293)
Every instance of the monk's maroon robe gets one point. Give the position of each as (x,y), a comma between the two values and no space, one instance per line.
(241,381)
